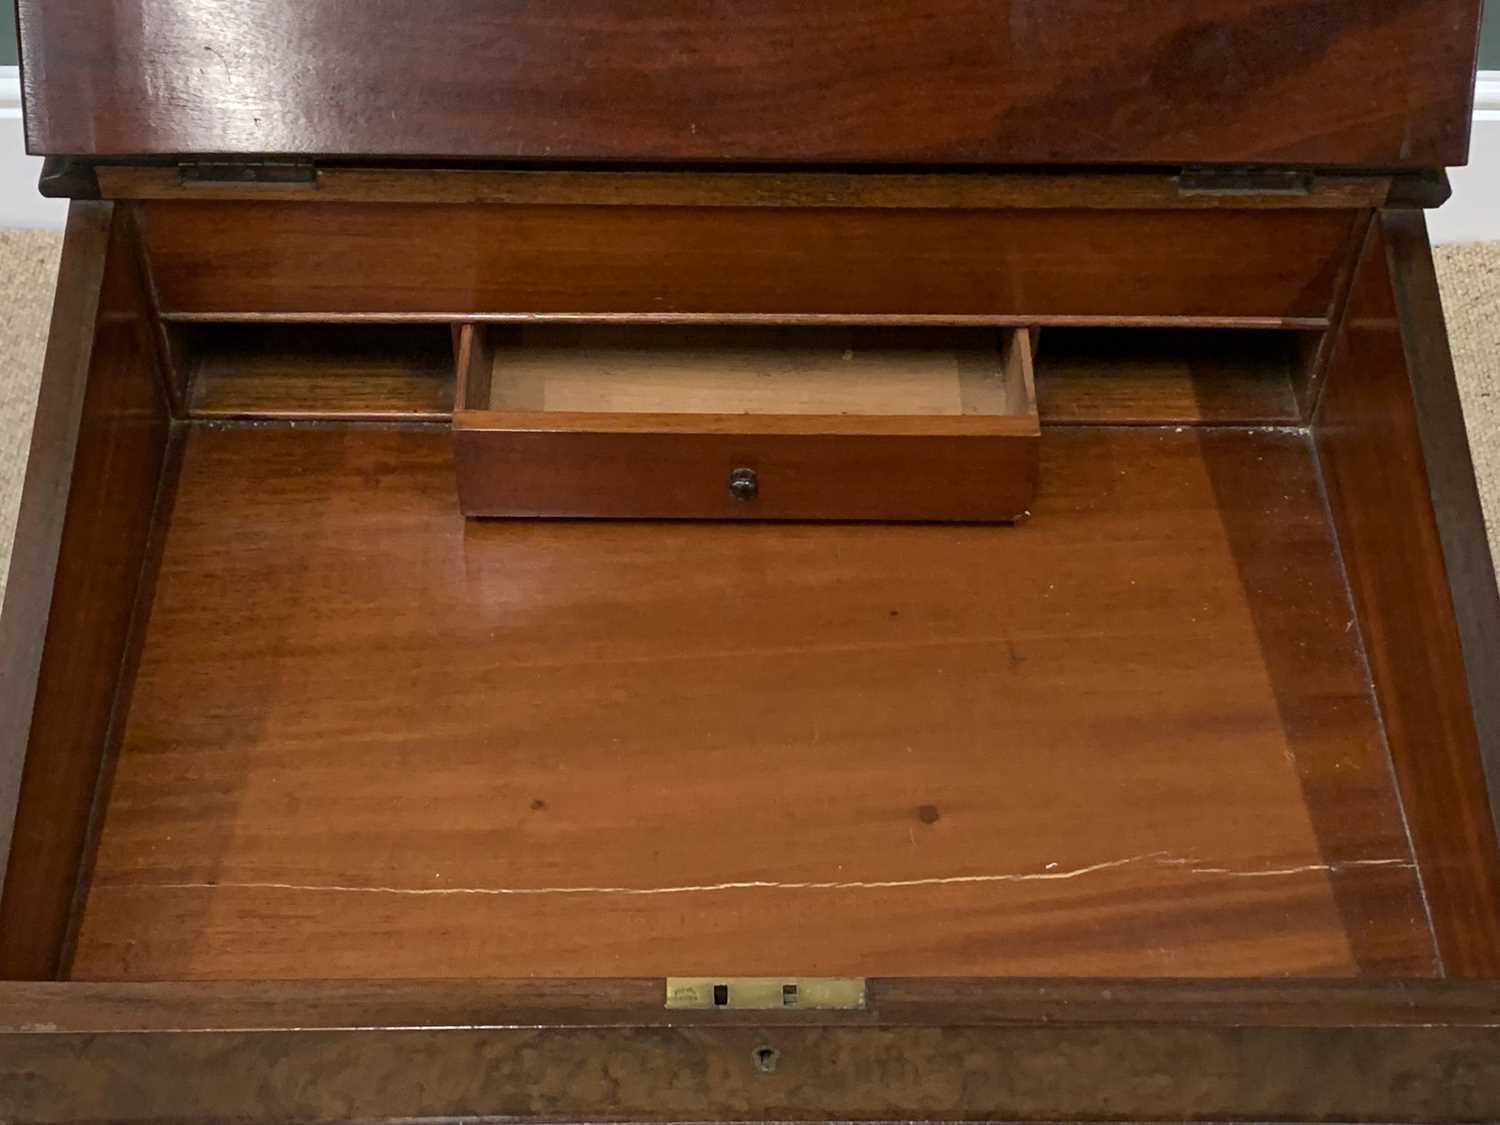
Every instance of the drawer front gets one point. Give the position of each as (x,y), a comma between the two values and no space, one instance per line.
(1335,82)
(213,258)
(505,469)
(746,422)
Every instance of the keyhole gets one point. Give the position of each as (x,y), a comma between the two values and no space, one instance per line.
(766,1059)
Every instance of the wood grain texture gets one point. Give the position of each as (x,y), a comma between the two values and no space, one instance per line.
(586,465)
(1161,376)
(369,371)
(368,736)
(1029,190)
(456,261)
(834,422)
(54,1007)
(474,361)
(1283,1046)
(44,496)
(1317,350)
(1027,1071)
(766,369)
(1387,415)
(930,82)
(1450,479)
(97,455)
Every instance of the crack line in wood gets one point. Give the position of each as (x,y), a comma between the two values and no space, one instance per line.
(1163,859)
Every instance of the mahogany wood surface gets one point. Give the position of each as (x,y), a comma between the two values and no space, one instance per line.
(1092,375)
(453,261)
(369,738)
(1027,190)
(959,1050)
(96,462)
(370,371)
(474,360)
(44,499)
(915,81)
(82,1007)
(577,465)
(833,423)
(1450,478)
(1155,376)
(1388,413)
(1308,377)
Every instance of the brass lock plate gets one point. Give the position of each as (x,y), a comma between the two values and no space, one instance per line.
(762,994)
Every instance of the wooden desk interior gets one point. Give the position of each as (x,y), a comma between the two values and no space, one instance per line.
(412,666)
(371,739)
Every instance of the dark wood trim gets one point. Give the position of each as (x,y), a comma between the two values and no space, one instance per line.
(476,261)
(159,512)
(97,455)
(170,363)
(1395,460)
(1308,380)
(1422,190)
(925,82)
(602,188)
(44,497)
(475,360)
(65,178)
(1261,323)
(1450,476)
(54,1007)
(580,1051)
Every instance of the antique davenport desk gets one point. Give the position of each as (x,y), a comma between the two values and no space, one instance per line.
(1040,657)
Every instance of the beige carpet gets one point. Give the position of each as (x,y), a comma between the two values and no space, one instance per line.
(1470,277)
(28,270)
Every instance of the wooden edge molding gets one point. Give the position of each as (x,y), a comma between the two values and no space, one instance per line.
(85,1007)
(1308,383)
(1395,461)
(752,425)
(1019,320)
(65,178)
(915,190)
(98,448)
(944,1050)
(44,496)
(1450,473)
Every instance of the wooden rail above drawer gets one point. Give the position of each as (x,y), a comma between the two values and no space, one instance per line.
(215,260)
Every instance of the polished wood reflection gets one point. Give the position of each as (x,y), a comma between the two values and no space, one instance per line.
(951,82)
(370,738)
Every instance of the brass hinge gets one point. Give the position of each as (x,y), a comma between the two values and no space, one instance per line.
(766,993)
(1218,180)
(281,173)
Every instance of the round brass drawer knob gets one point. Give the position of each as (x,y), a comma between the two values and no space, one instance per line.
(743,484)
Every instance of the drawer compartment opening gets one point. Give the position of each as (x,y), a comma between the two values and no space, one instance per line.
(739,369)
(313,370)
(737,422)
(1156,376)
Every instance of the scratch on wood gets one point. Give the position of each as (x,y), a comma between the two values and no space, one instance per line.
(1162,859)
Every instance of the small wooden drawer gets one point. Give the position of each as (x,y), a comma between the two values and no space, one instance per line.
(746,422)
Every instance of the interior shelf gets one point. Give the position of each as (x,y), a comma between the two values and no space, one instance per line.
(340,371)
(375,371)
(1161,375)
